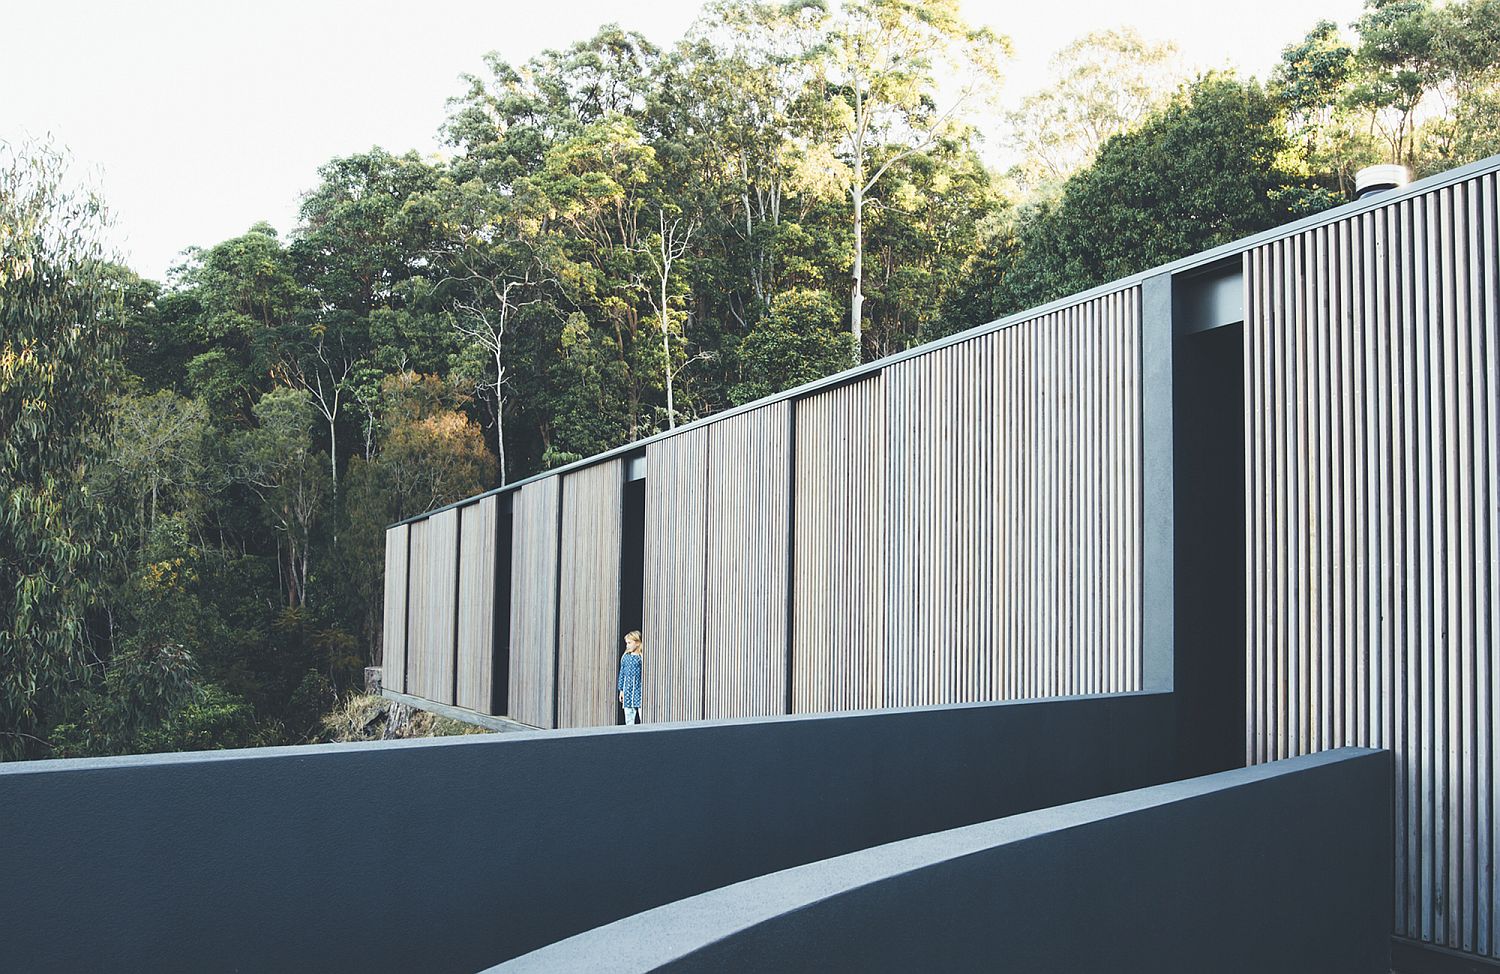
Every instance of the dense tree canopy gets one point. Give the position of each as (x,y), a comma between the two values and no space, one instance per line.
(196,474)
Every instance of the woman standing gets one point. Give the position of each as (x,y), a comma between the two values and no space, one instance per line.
(630,677)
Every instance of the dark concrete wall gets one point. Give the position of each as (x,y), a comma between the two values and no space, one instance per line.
(1282,867)
(455,854)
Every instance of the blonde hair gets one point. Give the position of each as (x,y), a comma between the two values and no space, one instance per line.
(634,636)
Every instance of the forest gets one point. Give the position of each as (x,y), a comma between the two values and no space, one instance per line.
(196,473)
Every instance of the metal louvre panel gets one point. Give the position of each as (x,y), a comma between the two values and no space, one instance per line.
(476,604)
(746,583)
(393,639)
(839,566)
(1014,511)
(589,640)
(533,613)
(676,539)
(1372,538)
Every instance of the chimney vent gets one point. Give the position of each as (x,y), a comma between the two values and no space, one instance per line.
(1373,180)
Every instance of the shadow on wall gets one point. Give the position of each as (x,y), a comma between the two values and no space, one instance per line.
(452,855)
(1282,867)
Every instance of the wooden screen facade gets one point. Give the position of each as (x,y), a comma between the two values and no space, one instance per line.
(477,537)
(393,634)
(966,523)
(746,570)
(839,558)
(589,637)
(431,628)
(535,524)
(1014,511)
(676,539)
(962,525)
(1373,526)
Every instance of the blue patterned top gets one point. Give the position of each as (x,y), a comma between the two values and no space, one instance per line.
(630,678)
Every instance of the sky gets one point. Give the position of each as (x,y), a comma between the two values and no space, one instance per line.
(198,118)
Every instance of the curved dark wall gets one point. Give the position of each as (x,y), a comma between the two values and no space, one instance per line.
(452,855)
(1282,867)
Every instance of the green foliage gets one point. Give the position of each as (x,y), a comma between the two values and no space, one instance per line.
(58,343)
(208,720)
(277,461)
(799,341)
(1104,83)
(197,475)
(1204,172)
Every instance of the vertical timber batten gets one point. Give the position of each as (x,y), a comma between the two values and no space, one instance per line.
(534,603)
(838,523)
(433,595)
(588,638)
(1371,355)
(475,676)
(745,574)
(675,542)
(1012,504)
(393,637)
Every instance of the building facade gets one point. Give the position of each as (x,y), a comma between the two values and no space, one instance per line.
(1265,478)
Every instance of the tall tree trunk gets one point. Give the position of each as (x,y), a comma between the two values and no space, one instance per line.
(857,294)
(666,348)
(333,456)
(500,411)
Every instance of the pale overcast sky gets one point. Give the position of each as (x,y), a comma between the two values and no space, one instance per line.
(201,117)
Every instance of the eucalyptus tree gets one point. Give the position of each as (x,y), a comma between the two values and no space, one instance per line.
(1212,167)
(491,276)
(1103,83)
(750,70)
(157,455)
(590,199)
(1466,52)
(1397,70)
(506,119)
(1312,84)
(276,460)
(664,249)
(250,298)
(365,232)
(57,348)
(900,75)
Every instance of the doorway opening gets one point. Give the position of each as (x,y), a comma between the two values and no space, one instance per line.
(632,564)
(500,664)
(1209,460)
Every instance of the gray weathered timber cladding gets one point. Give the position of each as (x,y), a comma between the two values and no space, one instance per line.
(838,624)
(533,607)
(589,640)
(745,591)
(1014,511)
(676,537)
(434,599)
(1373,526)
(393,637)
(476,604)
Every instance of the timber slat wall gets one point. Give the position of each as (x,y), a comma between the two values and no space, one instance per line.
(589,640)
(434,599)
(746,581)
(393,638)
(1373,526)
(533,606)
(1014,518)
(838,632)
(676,537)
(478,525)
